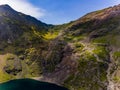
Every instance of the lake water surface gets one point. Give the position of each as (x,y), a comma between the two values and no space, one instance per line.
(29,84)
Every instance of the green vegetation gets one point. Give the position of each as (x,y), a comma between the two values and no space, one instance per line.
(102,40)
(51,35)
(3,60)
(102,52)
(78,47)
(87,76)
(116,79)
(116,54)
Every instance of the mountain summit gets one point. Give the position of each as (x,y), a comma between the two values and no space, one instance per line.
(6,6)
(13,23)
(81,55)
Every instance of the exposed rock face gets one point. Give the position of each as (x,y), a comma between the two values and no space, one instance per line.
(13,65)
(81,55)
(65,67)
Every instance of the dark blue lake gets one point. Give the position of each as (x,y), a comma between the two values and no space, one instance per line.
(29,84)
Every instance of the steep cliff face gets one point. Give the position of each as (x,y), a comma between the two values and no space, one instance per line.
(81,55)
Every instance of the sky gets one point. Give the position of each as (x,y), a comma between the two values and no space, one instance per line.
(58,11)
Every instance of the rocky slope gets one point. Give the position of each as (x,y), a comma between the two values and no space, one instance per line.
(81,55)
(20,36)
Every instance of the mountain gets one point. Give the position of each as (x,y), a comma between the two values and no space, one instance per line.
(20,35)
(81,55)
(13,23)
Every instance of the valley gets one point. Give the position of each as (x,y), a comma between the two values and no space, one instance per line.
(80,55)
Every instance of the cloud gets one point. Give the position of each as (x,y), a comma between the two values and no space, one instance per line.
(25,7)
